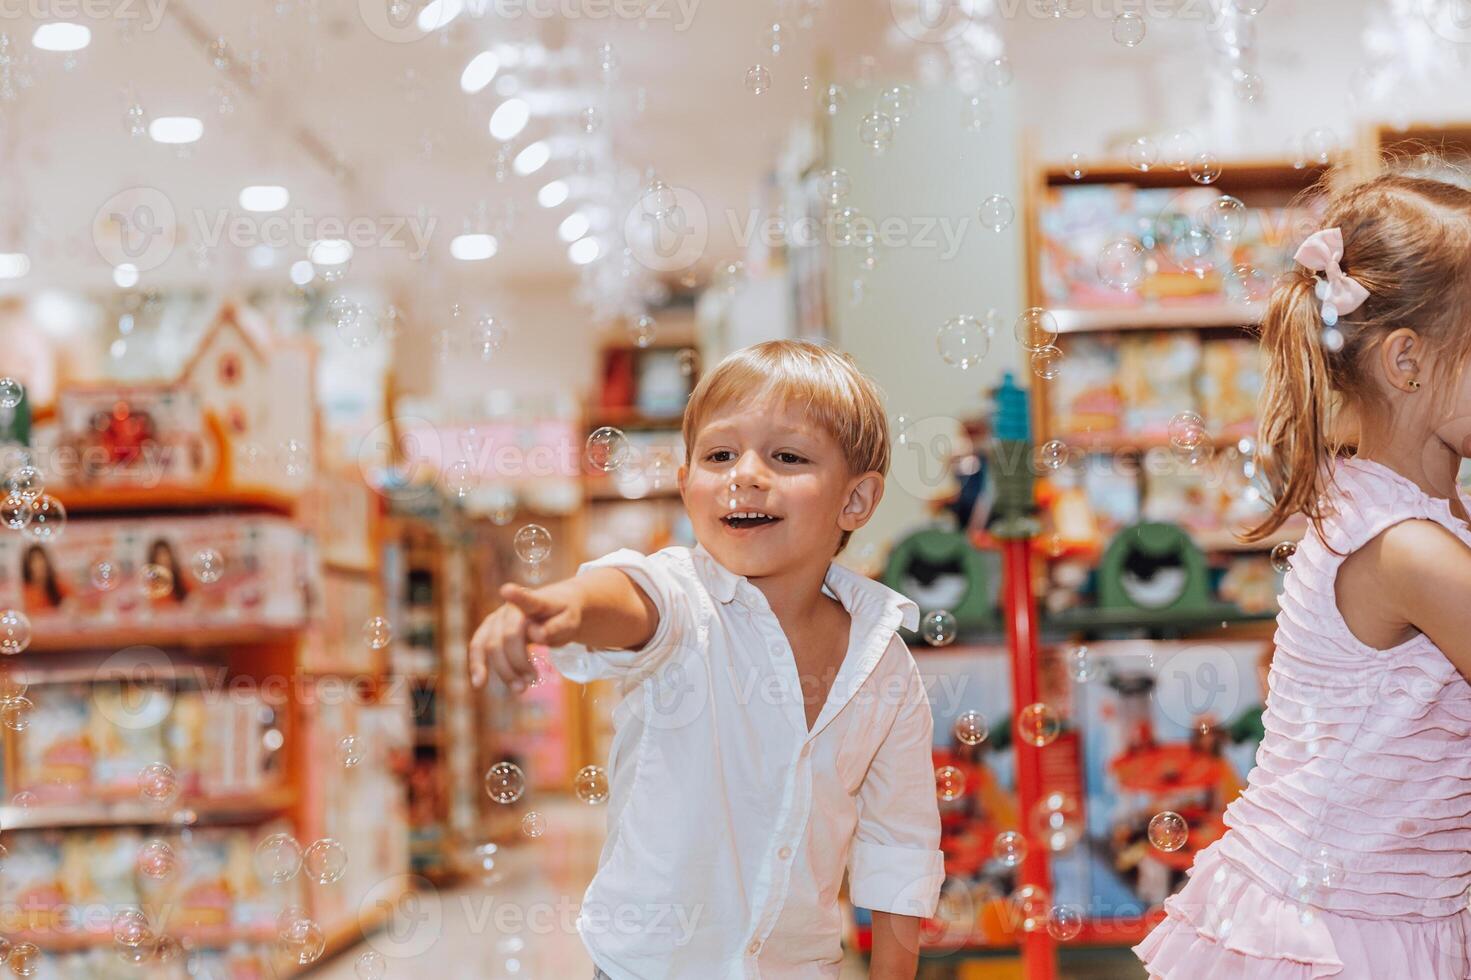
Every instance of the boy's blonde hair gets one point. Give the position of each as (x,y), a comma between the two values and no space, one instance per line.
(826,383)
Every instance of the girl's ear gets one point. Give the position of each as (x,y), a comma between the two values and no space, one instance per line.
(864,494)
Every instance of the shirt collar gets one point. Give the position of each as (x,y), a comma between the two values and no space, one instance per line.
(858,593)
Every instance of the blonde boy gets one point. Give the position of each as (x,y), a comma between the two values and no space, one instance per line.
(774,730)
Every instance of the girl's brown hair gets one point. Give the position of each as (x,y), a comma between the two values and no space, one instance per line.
(1407,240)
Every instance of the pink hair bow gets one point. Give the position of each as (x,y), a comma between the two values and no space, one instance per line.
(1340,293)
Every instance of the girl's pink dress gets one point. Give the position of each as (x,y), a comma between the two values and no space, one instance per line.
(1349,852)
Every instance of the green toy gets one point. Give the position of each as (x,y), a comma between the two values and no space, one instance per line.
(925,556)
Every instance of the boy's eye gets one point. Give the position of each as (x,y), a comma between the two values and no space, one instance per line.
(719,456)
(789,457)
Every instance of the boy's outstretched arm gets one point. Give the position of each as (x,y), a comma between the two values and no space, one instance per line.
(600,608)
(895,954)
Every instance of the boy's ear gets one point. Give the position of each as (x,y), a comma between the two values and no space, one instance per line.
(864,494)
(679,477)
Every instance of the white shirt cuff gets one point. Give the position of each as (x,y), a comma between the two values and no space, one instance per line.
(901,880)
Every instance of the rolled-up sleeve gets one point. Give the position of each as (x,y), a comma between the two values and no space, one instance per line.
(666,581)
(896,865)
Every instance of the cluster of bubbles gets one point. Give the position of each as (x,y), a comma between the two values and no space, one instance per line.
(505,783)
(608,450)
(136,941)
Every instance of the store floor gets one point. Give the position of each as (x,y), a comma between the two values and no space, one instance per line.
(543,882)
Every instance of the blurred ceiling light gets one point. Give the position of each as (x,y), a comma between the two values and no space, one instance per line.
(14,265)
(532,159)
(479,72)
(553,194)
(302,272)
(329,251)
(61,36)
(583,251)
(439,13)
(509,118)
(573,227)
(473,247)
(125,276)
(264,197)
(175,129)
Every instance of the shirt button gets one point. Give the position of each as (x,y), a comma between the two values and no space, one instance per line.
(784,853)
(755,947)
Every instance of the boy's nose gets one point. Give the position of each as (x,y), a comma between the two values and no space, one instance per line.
(749,471)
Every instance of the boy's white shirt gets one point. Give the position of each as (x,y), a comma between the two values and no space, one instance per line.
(729,824)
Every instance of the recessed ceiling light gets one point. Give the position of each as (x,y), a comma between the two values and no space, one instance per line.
(532,159)
(552,194)
(573,227)
(329,251)
(61,36)
(583,251)
(125,276)
(175,129)
(302,272)
(439,13)
(509,118)
(13,265)
(473,248)
(264,197)
(479,72)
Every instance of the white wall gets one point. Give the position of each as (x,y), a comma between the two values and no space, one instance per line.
(935,176)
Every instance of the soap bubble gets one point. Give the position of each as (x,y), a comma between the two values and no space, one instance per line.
(876,131)
(1122,264)
(832,99)
(490,336)
(1057,821)
(533,824)
(504,782)
(1282,554)
(1047,362)
(533,544)
(277,858)
(949,783)
(1224,218)
(1033,905)
(938,628)
(758,79)
(1205,168)
(15,510)
(156,860)
(15,713)
(1009,848)
(349,751)
(371,966)
(970,728)
(896,102)
(963,341)
(11,392)
(15,631)
(642,329)
(1064,922)
(996,212)
(1248,284)
(834,185)
(158,784)
(1075,168)
(130,928)
(1082,665)
(157,581)
(1037,724)
(207,566)
(607,449)
(591,785)
(1052,454)
(590,119)
(377,632)
(1035,328)
(1128,29)
(13,685)
(1247,85)
(998,72)
(1194,251)
(301,938)
(104,575)
(25,959)
(1143,154)
(48,518)
(1168,830)
(26,481)
(325,861)
(1187,430)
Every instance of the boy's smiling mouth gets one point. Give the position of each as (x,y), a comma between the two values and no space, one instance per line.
(743,519)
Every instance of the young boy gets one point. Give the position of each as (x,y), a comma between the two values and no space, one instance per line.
(774,729)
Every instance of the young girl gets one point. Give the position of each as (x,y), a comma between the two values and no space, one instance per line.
(1349,853)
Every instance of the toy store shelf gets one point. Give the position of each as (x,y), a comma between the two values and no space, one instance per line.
(1157,317)
(1235,175)
(241,808)
(102,500)
(204,637)
(209,938)
(603,489)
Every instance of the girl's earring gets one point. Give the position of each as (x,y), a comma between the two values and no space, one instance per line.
(1414,384)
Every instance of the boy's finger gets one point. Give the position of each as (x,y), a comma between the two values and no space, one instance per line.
(556,631)
(533,604)
(514,648)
